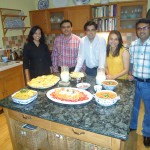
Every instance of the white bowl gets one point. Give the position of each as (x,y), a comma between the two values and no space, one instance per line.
(106,101)
(83,86)
(108,84)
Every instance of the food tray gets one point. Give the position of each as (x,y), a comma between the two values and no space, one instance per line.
(19,101)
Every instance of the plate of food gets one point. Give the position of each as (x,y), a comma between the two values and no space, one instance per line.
(68,95)
(24,96)
(43,82)
(83,85)
(76,75)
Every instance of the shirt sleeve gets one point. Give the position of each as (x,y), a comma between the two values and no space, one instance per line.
(54,58)
(81,57)
(102,55)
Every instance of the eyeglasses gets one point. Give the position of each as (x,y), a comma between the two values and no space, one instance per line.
(143,28)
(92,30)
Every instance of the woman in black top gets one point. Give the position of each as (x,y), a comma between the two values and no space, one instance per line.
(36,56)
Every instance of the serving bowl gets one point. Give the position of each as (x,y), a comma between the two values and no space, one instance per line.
(106,97)
(109,84)
(83,85)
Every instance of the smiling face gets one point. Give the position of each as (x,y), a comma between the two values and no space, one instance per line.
(113,41)
(143,31)
(90,32)
(66,29)
(37,35)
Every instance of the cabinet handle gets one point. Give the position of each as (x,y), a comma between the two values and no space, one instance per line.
(26,117)
(78,133)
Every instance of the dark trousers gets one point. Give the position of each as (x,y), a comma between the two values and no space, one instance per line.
(91,71)
(70,69)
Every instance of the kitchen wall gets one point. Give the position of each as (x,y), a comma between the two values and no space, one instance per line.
(71,3)
(25,5)
(14,38)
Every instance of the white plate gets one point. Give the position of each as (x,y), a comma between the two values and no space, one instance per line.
(60,3)
(89,95)
(24,101)
(83,86)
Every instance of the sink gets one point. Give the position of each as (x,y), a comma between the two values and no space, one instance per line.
(9,64)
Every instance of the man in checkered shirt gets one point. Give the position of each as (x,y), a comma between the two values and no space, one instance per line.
(140,64)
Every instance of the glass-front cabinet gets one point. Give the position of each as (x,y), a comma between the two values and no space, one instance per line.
(55,17)
(120,16)
(129,14)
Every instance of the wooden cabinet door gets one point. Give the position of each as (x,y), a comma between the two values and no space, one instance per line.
(2,90)
(79,15)
(14,80)
(128,14)
(40,18)
(56,16)
(11,80)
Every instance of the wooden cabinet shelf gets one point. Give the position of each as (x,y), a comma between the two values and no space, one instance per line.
(10,15)
(120,16)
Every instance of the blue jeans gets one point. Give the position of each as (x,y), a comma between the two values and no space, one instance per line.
(142,91)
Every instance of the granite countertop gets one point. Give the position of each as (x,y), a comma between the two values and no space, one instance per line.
(111,121)
(9,64)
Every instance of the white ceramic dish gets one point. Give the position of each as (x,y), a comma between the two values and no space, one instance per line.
(88,94)
(83,85)
(19,101)
(106,102)
(109,86)
(43,4)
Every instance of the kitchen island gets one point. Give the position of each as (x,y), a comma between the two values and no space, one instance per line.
(102,127)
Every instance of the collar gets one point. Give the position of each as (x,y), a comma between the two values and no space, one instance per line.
(145,43)
(67,38)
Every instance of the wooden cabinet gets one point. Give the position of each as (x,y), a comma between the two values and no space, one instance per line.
(129,13)
(40,18)
(12,19)
(50,19)
(55,16)
(11,80)
(58,136)
(120,16)
(79,15)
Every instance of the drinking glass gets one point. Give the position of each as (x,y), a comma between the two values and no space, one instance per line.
(64,74)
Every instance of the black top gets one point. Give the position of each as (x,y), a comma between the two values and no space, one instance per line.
(37,59)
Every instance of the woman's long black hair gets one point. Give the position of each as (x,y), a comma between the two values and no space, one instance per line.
(32,31)
(120,45)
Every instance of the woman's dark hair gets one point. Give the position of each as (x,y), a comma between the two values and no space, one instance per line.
(116,52)
(32,31)
(90,23)
(65,21)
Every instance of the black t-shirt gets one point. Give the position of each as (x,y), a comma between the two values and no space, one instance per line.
(36,59)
